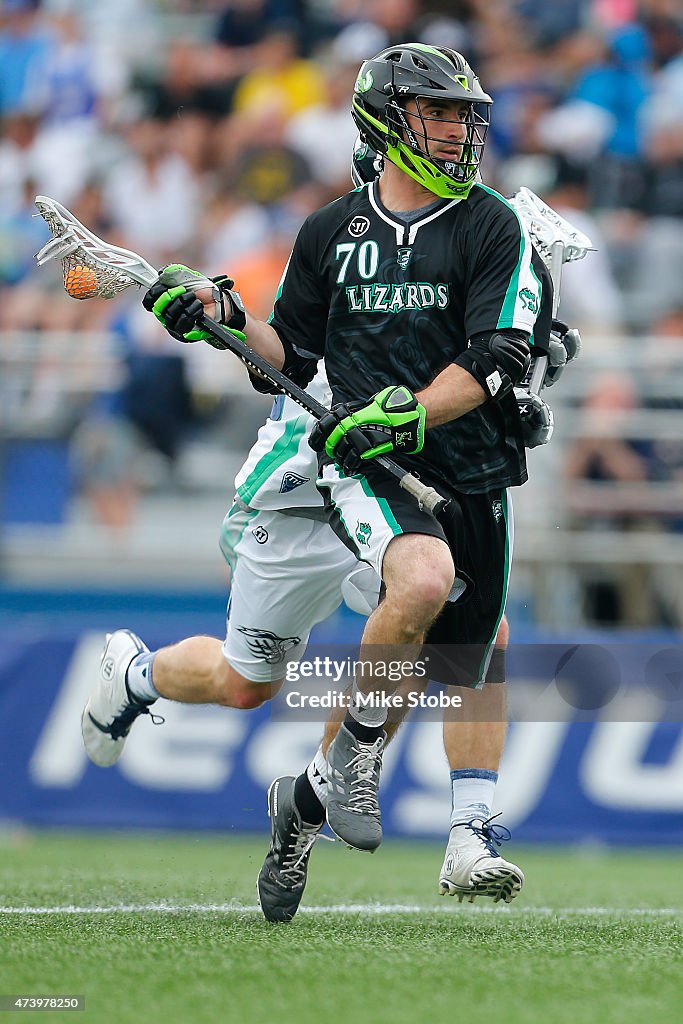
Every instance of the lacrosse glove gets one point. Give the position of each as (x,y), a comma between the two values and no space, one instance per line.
(537,418)
(173,300)
(353,432)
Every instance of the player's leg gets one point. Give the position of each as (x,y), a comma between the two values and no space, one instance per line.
(474,735)
(297,810)
(276,598)
(297,806)
(408,548)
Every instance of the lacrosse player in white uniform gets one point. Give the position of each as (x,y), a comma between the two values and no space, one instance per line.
(289,572)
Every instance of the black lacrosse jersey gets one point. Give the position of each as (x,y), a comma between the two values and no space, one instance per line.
(387,301)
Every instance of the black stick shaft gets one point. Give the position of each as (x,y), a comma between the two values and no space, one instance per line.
(426,497)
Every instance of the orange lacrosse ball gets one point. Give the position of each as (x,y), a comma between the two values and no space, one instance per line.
(80,282)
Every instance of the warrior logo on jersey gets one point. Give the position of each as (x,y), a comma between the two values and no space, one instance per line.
(260,534)
(403,257)
(363,533)
(529,300)
(292,480)
(358,226)
(267,646)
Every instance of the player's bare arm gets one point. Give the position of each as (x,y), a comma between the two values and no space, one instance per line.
(487,371)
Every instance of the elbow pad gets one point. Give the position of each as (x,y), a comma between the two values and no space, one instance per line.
(497,361)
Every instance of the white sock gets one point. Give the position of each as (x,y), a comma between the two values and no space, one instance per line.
(139,677)
(370,714)
(473,790)
(317,775)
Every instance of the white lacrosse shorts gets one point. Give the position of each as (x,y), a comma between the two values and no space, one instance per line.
(288,573)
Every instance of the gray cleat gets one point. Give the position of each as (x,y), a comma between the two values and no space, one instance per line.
(282,879)
(353,770)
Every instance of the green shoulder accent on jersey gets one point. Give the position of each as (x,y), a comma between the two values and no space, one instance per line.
(278,293)
(483,665)
(507,312)
(284,448)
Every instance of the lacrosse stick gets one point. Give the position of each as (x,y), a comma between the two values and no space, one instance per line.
(557,243)
(92,267)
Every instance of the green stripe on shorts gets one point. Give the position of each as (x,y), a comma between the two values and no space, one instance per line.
(284,448)
(385,508)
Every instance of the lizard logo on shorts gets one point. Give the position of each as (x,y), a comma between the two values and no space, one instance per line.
(267,646)
(497,509)
(363,533)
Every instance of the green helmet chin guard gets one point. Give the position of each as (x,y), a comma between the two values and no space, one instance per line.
(419,72)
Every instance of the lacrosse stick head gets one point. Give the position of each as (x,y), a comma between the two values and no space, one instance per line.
(548,230)
(91,267)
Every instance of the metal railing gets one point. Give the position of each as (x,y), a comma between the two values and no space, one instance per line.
(567,530)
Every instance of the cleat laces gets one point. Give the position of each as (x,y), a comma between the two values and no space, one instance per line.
(491,835)
(122,722)
(364,766)
(292,867)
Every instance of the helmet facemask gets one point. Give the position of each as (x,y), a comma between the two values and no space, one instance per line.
(415,148)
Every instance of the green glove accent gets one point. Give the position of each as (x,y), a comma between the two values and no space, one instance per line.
(164,300)
(175,280)
(216,342)
(393,420)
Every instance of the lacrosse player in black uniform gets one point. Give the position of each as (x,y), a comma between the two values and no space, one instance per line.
(424,295)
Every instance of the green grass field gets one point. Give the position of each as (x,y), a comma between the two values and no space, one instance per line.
(160,928)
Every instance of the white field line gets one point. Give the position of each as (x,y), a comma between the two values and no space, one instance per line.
(369,909)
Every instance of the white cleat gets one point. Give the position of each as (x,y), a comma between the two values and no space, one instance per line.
(473,867)
(111,709)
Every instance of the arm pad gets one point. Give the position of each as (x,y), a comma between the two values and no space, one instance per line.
(497,361)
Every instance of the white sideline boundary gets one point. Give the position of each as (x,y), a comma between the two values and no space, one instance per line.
(369,909)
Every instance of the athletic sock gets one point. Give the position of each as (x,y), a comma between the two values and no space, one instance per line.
(364,733)
(307,803)
(365,720)
(139,677)
(317,775)
(472,793)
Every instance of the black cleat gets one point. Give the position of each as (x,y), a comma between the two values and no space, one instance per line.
(282,879)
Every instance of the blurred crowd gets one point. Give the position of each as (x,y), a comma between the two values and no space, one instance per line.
(208,131)
(205,132)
